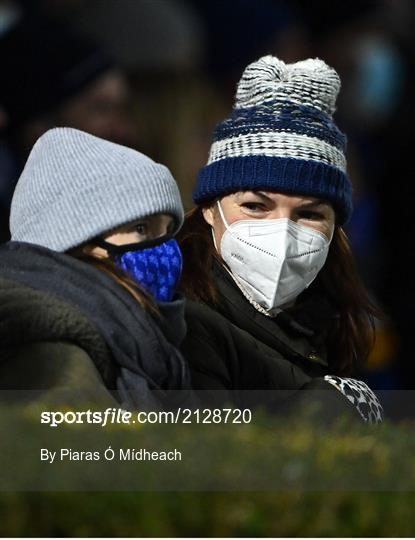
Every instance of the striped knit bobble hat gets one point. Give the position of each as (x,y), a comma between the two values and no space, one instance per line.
(75,187)
(281,136)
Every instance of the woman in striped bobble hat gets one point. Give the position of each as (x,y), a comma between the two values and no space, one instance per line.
(266,256)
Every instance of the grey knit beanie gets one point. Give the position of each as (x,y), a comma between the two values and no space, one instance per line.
(75,187)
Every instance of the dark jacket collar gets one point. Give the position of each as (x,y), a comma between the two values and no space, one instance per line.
(299,332)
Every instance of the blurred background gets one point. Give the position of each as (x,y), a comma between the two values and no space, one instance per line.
(157,75)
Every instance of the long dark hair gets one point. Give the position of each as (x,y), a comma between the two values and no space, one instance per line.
(351,337)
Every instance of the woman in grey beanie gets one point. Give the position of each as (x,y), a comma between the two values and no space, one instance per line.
(90,275)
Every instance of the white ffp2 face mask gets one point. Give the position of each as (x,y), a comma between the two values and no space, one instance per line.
(272,260)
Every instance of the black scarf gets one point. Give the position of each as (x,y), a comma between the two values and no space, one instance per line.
(149,366)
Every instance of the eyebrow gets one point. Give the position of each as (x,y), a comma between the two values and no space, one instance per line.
(313,204)
(306,204)
(263,196)
(259,194)
(137,221)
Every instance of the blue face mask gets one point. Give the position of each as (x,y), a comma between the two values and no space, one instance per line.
(155,265)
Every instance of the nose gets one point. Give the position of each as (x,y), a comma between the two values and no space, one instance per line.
(282,212)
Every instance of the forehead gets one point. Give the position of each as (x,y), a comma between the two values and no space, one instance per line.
(154,218)
(279,198)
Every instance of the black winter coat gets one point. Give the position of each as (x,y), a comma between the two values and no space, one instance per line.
(239,355)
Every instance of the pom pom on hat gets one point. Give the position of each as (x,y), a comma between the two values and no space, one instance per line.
(310,82)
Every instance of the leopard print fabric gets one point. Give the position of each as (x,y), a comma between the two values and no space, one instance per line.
(360,395)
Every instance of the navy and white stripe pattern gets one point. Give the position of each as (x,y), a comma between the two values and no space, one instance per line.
(283,144)
(281,136)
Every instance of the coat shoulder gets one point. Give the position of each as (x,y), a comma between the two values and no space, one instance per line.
(34,320)
(52,371)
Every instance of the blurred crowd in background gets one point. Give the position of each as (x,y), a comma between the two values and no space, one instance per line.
(157,75)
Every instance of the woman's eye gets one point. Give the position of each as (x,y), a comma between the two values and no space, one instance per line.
(253,206)
(314,216)
(141,228)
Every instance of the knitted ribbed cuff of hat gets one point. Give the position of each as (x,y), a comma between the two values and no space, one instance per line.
(286,175)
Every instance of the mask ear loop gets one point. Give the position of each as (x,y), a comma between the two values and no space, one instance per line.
(222,215)
(214,239)
(224,222)
(332,234)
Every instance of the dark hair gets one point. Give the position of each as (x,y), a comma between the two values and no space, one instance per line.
(351,337)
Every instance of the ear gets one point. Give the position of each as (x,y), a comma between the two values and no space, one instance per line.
(94,251)
(209,215)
